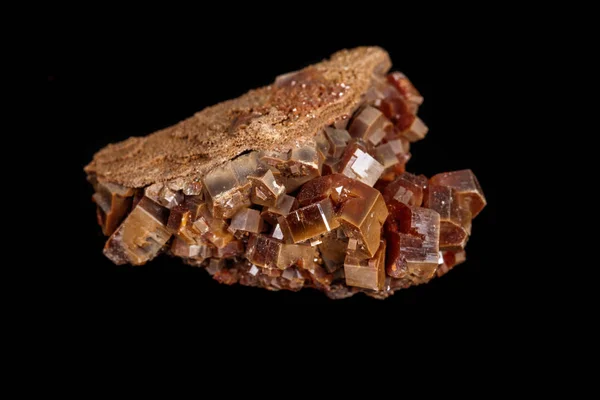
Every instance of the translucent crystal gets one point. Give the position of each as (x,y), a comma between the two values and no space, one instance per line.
(466,189)
(247,220)
(337,139)
(369,125)
(449,260)
(455,220)
(405,87)
(286,204)
(215,265)
(412,235)
(199,251)
(407,189)
(114,202)
(330,166)
(263,251)
(357,164)
(416,131)
(366,273)
(297,167)
(323,146)
(265,190)
(385,154)
(308,222)
(163,195)
(398,111)
(179,220)
(333,250)
(322,188)
(193,188)
(141,235)
(295,254)
(228,188)
(212,229)
(231,249)
(361,215)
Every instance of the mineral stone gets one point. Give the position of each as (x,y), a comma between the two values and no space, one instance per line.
(300,184)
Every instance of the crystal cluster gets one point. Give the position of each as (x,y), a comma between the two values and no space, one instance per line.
(339,214)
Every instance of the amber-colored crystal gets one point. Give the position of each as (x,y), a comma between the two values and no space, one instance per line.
(179,220)
(450,260)
(361,210)
(295,168)
(227,276)
(455,220)
(412,235)
(308,222)
(228,188)
(247,220)
(141,236)
(385,154)
(231,249)
(398,111)
(466,189)
(163,195)
(284,207)
(366,273)
(113,201)
(212,229)
(215,265)
(337,140)
(362,214)
(416,130)
(407,189)
(296,254)
(357,164)
(199,251)
(263,251)
(265,190)
(323,146)
(333,250)
(369,125)
(330,166)
(405,87)
(321,188)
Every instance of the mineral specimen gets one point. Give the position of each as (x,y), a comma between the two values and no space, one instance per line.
(301,184)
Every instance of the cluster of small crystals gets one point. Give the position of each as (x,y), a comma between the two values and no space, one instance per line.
(340,214)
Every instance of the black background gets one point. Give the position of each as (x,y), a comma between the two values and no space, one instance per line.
(101,90)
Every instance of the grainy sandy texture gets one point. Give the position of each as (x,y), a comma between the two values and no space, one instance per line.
(277,117)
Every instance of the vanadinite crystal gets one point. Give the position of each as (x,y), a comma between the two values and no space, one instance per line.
(335,211)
